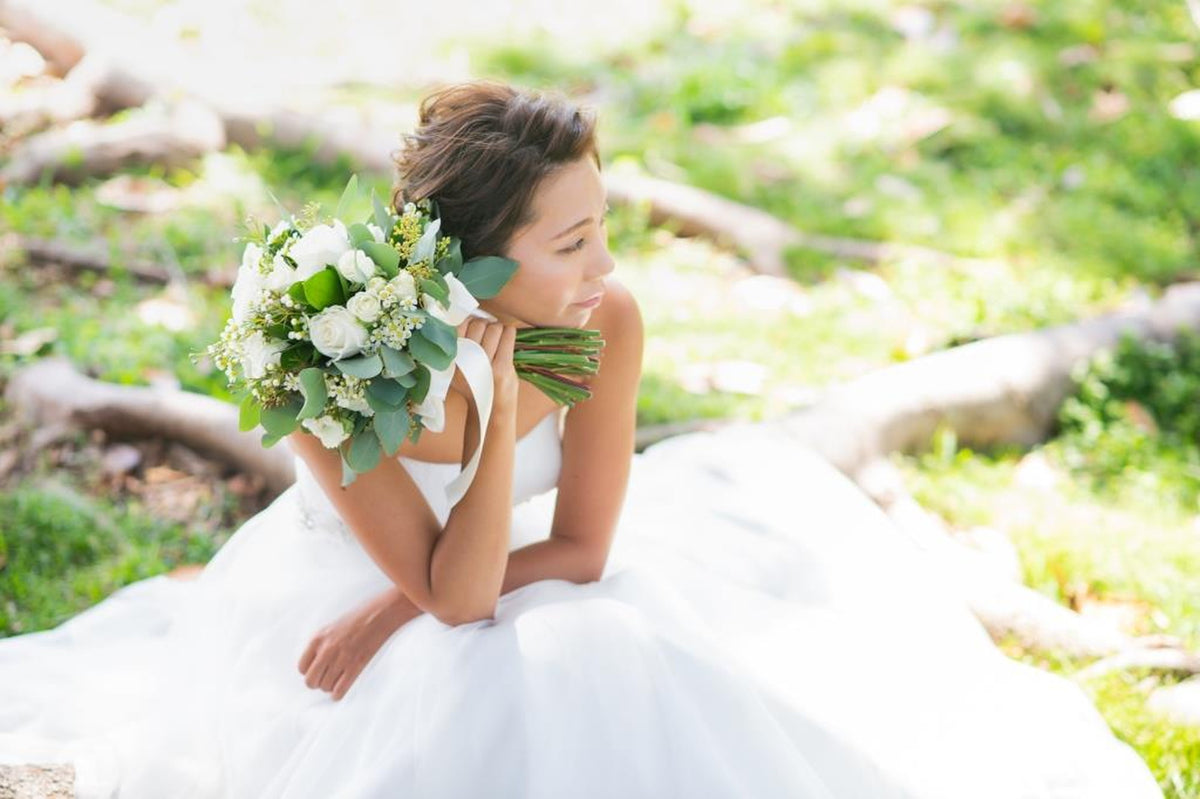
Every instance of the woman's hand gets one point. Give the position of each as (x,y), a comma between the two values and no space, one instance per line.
(339,652)
(496,339)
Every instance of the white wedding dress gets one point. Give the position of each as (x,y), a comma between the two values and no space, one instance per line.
(760,631)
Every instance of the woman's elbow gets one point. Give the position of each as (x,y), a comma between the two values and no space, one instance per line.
(454,616)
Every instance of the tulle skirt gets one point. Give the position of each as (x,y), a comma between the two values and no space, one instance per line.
(761,630)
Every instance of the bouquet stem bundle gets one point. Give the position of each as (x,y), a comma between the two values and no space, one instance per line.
(548,356)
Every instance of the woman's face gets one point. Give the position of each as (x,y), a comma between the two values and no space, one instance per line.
(562,256)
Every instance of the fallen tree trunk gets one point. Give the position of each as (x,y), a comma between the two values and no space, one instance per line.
(1002,390)
(171,136)
(762,238)
(97,259)
(52,392)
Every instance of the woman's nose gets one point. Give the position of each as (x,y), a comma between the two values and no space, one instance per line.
(603,264)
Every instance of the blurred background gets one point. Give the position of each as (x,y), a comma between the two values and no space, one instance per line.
(865,184)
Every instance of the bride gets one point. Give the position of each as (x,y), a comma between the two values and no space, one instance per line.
(723,615)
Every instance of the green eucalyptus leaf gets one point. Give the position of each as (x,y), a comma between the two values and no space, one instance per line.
(359,234)
(486,275)
(281,419)
(324,289)
(384,256)
(390,428)
(312,385)
(363,453)
(248,413)
(428,353)
(387,391)
(270,439)
(409,380)
(424,248)
(348,195)
(421,387)
(383,218)
(364,366)
(395,362)
(444,335)
(348,474)
(297,356)
(439,291)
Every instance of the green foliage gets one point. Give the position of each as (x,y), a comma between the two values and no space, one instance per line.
(1135,416)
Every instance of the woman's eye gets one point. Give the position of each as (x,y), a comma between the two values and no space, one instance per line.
(576,246)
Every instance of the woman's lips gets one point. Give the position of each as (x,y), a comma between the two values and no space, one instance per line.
(593,302)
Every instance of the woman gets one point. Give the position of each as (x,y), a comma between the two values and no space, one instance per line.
(723,615)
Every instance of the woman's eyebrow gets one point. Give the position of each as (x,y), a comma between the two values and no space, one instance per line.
(579,224)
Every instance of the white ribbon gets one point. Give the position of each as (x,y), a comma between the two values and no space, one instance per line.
(477,369)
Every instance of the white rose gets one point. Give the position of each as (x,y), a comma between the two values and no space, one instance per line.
(376,284)
(321,246)
(376,232)
(432,409)
(282,274)
(331,431)
(404,286)
(356,266)
(337,333)
(249,283)
(258,353)
(462,302)
(365,305)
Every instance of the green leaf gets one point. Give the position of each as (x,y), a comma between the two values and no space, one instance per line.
(486,275)
(384,256)
(409,380)
(269,440)
(389,393)
(421,387)
(359,234)
(297,356)
(348,195)
(296,292)
(395,362)
(348,474)
(383,218)
(324,289)
(281,419)
(424,248)
(440,333)
(437,290)
(312,385)
(248,413)
(364,366)
(390,428)
(452,261)
(427,352)
(363,453)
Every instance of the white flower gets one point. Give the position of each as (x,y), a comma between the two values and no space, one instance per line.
(258,353)
(355,404)
(365,305)
(432,409)
(282,275)
(462,302)
(376,284)
(249,283)
(331,431)
(337,333)
(376,232)
(321,246)
(356,266)
(404,286)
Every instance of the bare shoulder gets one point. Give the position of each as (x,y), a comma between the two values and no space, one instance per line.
(619,320)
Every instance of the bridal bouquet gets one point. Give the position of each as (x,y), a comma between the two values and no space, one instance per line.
(349,329)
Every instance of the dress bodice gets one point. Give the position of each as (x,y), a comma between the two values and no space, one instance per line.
(537,462)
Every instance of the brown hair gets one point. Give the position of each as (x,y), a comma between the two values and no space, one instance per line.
(480,151)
